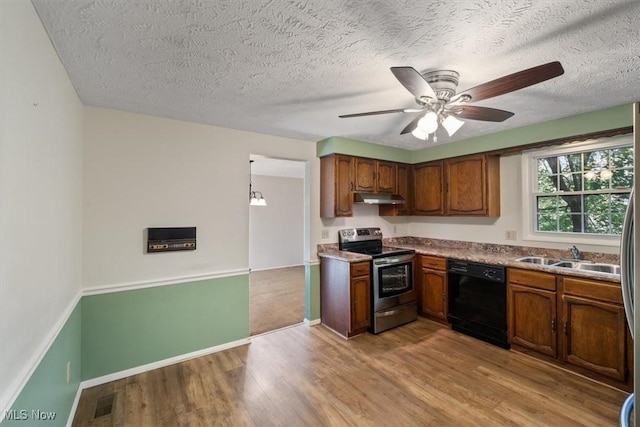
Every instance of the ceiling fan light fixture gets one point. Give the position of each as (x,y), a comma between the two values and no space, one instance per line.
(419,133)
(451,124)
(429,123)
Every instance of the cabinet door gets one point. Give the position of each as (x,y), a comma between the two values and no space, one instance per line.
(532,318)
(434,293)
(360,303)
(386,177)
(365,175)
(594,336)
(403,188)
(343,186)
(428,189)
(466,179)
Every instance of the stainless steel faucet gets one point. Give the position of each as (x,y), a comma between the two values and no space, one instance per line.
(575,252)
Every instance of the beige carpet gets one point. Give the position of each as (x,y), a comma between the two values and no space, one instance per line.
(277,299)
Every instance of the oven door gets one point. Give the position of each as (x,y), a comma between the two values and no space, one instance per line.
(393,281)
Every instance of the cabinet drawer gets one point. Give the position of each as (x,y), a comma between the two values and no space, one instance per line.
(591,289)
(359,269)
(535,279)
(434,263)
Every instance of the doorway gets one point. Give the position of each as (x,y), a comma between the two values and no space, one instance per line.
(276,245)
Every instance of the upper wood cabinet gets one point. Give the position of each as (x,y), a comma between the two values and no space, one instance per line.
(404,184)
(341,176)
(473,185)
(375,176)
(428,189)
(336,186)
(461,186)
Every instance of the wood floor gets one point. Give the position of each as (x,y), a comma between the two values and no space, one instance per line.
(420,374)
(276,299)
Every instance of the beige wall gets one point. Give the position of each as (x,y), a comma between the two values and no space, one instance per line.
(143,171)
(40,195)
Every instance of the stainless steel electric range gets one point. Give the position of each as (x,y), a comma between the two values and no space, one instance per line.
(393,295)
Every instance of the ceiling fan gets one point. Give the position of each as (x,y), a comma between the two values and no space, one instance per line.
(435,94)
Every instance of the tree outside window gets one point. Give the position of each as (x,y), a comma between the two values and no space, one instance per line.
(583,192)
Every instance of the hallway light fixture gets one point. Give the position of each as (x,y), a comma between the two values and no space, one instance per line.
(255,197)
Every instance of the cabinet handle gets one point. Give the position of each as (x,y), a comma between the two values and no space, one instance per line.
(351,186)
(553,325)
(443,296)
(565,328)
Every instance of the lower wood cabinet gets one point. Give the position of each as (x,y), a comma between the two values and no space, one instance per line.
(432,283)
(579,322)
(594,330)
(532,310)
(345,296)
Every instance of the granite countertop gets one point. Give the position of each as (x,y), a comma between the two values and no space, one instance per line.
(504,255)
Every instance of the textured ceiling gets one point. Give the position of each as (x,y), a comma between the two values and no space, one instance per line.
(290,67)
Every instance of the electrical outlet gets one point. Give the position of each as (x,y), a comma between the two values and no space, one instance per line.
(511,235)
(325,234)
(68,371)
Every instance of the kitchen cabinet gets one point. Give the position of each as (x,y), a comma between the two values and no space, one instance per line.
(336,186)
(341,176)
(473,185)
(433,287)
(345,296)
(461,186)
(428,189)
(404,186)
(532,310)
(375,176)
(594,327)
(579,323)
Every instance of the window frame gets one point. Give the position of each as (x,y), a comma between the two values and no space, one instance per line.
(529,193)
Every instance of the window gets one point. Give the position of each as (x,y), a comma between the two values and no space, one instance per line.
(581,188)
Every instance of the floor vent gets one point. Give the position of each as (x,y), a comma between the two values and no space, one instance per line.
(104,406)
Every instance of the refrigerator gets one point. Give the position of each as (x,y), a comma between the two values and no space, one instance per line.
(629,280)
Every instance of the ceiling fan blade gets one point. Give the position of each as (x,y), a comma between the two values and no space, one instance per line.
(513,82)
(482,113)
(413,82)
(373,113)
(411,126)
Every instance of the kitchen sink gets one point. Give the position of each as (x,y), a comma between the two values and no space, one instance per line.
(603,268)
(576,265)
(590,266)
(567,264)
(537,260)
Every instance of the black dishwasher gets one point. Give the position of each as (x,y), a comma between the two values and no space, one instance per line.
(478,301)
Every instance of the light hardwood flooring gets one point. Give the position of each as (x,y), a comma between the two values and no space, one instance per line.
(276,299)
(420,374)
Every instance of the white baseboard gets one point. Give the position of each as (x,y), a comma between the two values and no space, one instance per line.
(313,322)
(161,363)
(74,407)
(29,368)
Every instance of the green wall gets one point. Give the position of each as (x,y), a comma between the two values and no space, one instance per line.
(312,292)
(336,144)
(610,118)
(123,330)
(47,389)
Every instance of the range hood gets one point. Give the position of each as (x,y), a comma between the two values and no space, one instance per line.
(378,198)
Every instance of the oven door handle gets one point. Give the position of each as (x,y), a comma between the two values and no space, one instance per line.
(395,260)
(387,313)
